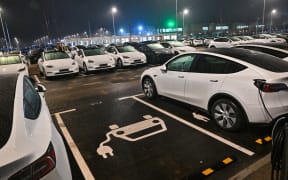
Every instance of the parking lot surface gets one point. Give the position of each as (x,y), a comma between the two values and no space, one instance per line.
(120,134)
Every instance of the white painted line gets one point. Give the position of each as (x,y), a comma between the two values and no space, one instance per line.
(67,111)
(36,79)
(129,97)
(208,133)
(75,151)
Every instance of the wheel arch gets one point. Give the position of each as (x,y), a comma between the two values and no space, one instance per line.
(150,77)
(218,96)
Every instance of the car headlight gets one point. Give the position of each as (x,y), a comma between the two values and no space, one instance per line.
(90,61)
(126,57)
(49,66)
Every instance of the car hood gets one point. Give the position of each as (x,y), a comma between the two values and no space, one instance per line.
(11,68)
(61,63)
(163,51)
(101,59)
(132,54)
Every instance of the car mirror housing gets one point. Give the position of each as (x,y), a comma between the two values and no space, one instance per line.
(41,88)
(163,68)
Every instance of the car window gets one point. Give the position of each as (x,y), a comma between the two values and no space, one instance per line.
(111,50)
(166,45)
(123,49)
(221,40)
(93,52)
(4,60)
(56,55)
(182,63)
(211,64)
(31,100)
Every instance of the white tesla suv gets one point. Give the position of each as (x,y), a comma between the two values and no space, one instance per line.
(178,47)
(126,56)
(56,63)
(92,59)
(30,145)
(235,86)
(11,63)
(224,42)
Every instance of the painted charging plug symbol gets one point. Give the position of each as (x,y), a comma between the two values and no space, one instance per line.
(126,132)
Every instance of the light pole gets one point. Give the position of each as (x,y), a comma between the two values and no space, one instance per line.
(3,29)
(185,11)
(272,12)
(263,16)
(176,13)
(17,42)
(114,10)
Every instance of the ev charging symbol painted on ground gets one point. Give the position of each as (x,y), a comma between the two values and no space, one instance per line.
(124,132)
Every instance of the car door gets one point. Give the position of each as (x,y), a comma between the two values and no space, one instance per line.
(171,83)
(205,78)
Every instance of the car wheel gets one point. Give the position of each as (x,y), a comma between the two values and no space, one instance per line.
(119,63)
(149,88)
(212,47)
(227,114)
(85,69)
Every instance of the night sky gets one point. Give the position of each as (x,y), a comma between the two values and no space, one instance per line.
(26,18)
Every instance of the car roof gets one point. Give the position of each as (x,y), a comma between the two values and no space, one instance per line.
(7,95)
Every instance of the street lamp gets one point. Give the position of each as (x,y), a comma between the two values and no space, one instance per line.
(114,10)
(272,12)
(263,16)
(3,29)
(17,42)
(185,11)
(176,13)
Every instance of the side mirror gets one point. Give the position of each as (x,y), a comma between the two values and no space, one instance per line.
(163,68)
(41,88)
(41,60)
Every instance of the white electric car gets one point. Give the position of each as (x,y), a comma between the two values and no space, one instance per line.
(225,83)
(30,145)
(11,63)
(178,47)
(92,59)
(126,55)
(224,42)
(56,63)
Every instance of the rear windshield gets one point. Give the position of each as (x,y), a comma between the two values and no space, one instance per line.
(56,55)
(7,94)
(262,60)
(4,60)
(93,52)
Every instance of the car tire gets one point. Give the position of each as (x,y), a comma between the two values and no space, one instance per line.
(85,69)
(119,64)
(212,47)
(227,114)
(149,88)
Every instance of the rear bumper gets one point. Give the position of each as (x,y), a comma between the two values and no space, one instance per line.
(100,67)
(58,73)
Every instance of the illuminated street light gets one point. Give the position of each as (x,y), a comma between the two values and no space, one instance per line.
(17,42)
(140,28)
(114,10)
(3,28)
(185,11)
(121,30)
(272,12)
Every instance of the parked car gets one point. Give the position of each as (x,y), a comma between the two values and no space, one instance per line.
(270,38)
(155,52)
(56,63)
(92,59)
(277,52)
(12,63)
(30,145)
(177,46)
(223,82)
(250,39)
(224,42)
(126,55)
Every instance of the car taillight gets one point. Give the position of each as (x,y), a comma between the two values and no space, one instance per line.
(38,168)
(269,87)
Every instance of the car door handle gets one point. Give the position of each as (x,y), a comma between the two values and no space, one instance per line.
(180,76)
(213,80)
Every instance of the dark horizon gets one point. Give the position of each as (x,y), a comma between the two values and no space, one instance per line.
(29,20)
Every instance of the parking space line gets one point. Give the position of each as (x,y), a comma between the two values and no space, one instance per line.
(75,151)
(129,97)
(208,133)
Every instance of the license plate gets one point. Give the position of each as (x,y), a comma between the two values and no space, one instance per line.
(103,65)
(138,60)
(64,70)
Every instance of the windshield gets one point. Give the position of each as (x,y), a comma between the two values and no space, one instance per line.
(155,46)
(177,44)
(123,49)
(56,55)
(93,52)
(248,37)
(4,60)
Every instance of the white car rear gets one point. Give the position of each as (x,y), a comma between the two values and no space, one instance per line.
(30,145)
(92,59)
(56,63)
